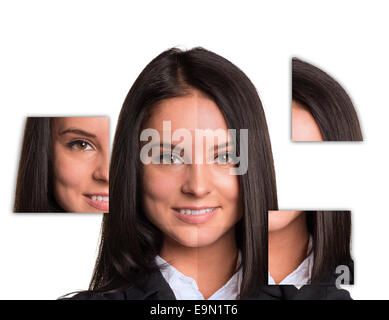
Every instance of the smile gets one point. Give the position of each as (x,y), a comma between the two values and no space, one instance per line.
(196,212)
(195,215)
(99,198)
(98,201)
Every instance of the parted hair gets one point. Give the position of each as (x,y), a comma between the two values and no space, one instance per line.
(129,241)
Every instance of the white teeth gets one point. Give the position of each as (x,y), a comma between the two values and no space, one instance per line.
(99,198)
(195,212)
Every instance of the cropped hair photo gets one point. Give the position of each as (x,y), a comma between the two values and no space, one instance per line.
(321,108)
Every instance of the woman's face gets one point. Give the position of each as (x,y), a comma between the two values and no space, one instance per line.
(194,204)
(279,220)
(304,125)
(81,163)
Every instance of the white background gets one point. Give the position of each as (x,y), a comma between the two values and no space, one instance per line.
(81,58)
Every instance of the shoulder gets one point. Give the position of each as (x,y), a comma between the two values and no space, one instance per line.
(93,295)
(149,287)
(307,292)
(325,289)
(317,292)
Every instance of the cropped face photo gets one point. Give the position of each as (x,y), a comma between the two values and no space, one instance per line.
(64,165)
(196,204)
(309,247)
(81,163)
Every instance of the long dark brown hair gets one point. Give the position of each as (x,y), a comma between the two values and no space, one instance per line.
(331,235)
(327,101)
(129,242)
(34,186)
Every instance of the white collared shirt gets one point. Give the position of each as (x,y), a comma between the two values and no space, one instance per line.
(300,276)
(185,288)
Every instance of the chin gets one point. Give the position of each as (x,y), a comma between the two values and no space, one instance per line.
(277,223)
(281,219)
(192,239)
(273,228)
(196,238)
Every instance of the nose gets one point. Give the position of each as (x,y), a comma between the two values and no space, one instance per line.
(101,172)
(197,182)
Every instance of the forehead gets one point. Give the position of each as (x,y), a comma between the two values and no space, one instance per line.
(90,124)
(304,125)
(192,111)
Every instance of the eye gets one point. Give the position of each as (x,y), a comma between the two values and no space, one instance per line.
(171,158)
(80,145)
(225,158)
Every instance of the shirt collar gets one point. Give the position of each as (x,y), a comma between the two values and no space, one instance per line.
(185,288)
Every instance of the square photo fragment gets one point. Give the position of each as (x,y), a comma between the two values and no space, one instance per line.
(64,165)
(309,247)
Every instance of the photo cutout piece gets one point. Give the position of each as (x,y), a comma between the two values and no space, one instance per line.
(64,165)
(310,247)
(321,108)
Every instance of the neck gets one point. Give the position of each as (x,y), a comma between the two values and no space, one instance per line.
(210,266)
(287,248)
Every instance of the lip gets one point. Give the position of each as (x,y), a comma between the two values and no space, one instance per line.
(100,205)
(195,219)
(103,194)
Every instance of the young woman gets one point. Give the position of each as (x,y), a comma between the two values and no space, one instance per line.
(181,229)
(310,248)
(64,165)
(321,108)
(187,226)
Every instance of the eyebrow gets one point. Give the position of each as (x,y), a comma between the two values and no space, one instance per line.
(78,131)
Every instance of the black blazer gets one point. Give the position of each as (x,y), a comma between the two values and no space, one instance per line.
(155,287)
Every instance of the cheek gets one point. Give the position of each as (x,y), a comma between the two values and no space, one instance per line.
(70,173)
(158,190)
(227,191)
(227,186)
(157,185)
(71,178)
